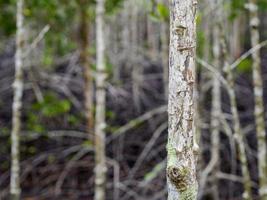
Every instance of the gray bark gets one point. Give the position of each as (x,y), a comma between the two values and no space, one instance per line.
(182,148)
(100,123)
(17,105)
(215,114)
(238,134)
(258,98)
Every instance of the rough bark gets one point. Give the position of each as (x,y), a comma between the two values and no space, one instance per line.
(85,63)
(258,98)
(182,148)
(100,139)
(17,105)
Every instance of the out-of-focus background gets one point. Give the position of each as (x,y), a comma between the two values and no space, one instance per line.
(58,112)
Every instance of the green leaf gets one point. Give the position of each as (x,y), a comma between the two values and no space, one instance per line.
(112,6)
(163,11)
(87,143)
(245,66)
(262,5)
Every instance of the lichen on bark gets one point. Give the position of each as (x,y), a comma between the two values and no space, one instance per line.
(181,147)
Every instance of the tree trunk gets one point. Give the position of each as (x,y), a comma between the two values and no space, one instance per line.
(181,147)
(17,105)
(100,157)
(85,63)
(135,59)
(213,164)
(258,98)
(216,104)
(238,135)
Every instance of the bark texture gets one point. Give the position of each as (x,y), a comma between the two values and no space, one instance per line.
(100,140)
(181,147)
(17,105)
(258,98)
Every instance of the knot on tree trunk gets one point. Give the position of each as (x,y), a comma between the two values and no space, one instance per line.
(179,176)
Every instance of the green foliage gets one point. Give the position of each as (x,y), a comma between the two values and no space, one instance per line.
(4,131)
(109,68)
(47,57)
(110,114)
(33,123)
(59,14)
(262,5)
(236,7)
(7,17)
(87,144)
(31,150)
(159,12)
(52,106)
(201,42)
(112,6)
(56,12)
(73,120)
(163,12)
(245,66)
(111,129)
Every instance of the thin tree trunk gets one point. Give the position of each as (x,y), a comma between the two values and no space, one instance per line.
(85,62)
(216,107)
(100,157)
(213,164)
(17,105)
(181,147)
(258,98)
(152,39)
(238,135)
(135,61)
(236,40)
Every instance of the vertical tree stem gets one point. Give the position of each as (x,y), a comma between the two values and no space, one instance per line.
(85,62)
(238,135)
(100,157)
(258,98)
(181,147)
(17,105)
